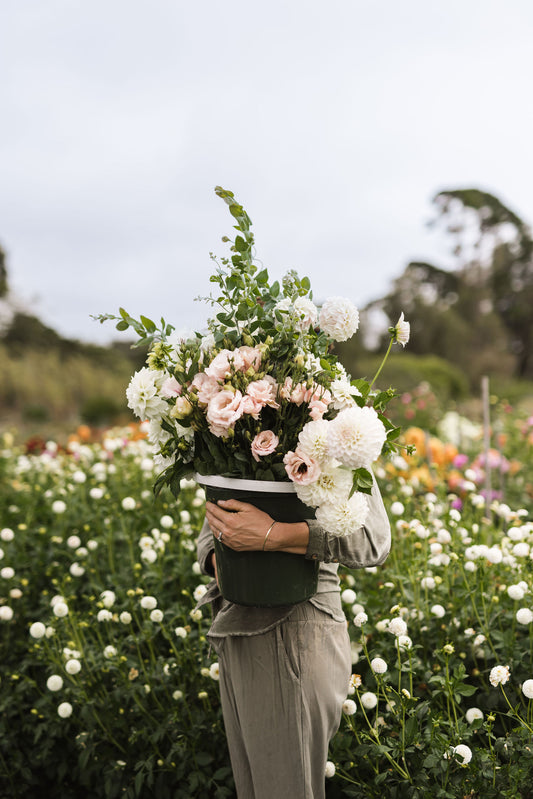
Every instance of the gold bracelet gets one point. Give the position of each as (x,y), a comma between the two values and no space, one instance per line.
(267,534)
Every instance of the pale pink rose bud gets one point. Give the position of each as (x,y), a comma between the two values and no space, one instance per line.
(264,443)
(251,406)
(223,410)
(263,392)
(298,393)
(225,364)
(251,358)
(205,386)
(317,409)
(286,388)
(181,409)
(170,388)
(301,468)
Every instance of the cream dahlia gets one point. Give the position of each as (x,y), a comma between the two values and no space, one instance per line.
(333,486)
(313,440)
(339,318)
(356,437)
(342,518)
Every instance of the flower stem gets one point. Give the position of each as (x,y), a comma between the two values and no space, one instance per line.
(382,364)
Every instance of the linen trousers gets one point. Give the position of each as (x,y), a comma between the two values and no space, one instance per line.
(282,693)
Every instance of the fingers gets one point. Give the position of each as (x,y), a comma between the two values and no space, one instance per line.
(238,525)
(233,504)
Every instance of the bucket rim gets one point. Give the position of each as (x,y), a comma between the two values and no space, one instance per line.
(267,486)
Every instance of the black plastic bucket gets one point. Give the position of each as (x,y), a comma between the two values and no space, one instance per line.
(264,579)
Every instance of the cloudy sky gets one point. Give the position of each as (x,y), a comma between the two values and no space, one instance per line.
(334,123)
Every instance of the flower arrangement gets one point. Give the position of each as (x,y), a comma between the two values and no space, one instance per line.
(260,394)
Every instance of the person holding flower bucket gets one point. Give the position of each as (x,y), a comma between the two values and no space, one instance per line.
(260,410)
(285,671)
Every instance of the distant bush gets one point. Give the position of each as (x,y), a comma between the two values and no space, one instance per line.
(404,370)
(36,413)
(64,388)
(101,410)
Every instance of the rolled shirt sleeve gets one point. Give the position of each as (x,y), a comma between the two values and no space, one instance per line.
(368,545)
(204,549)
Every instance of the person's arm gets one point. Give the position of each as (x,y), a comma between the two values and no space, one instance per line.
(205,550)
(244,527)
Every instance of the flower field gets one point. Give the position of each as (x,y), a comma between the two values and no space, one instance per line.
(107,684)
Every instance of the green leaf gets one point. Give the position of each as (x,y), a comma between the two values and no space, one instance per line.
(149,325)
(362,385)
(394,433)
(204,758)
(362,481)
(240,244)
(122,325)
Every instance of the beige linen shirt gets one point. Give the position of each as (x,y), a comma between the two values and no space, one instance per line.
(366,546)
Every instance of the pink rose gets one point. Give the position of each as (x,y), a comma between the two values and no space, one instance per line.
(264,444)
(225,364)
(264,392)
(317,409)
(298,393)
(205,386)
(318,398)
(286,388)
(301,468)
(223,410)
(317,392)
(251,357)
(251,406)
(170,388)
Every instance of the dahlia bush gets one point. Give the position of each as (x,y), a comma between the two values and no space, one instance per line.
(107,685)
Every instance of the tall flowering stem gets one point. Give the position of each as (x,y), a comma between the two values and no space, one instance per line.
(382,364)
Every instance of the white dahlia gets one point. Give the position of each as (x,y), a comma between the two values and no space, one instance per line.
(143,394)
(333,486)
(313,440)
(341,518)
(339,318)
(356,437)
(343,394)
(499,675)
(306,312)
(402,331)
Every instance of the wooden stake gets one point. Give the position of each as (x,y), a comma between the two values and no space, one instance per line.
(485,398)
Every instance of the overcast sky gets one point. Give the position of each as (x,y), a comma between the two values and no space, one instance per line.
(334,123)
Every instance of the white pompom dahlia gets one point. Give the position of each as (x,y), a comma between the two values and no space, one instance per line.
(356,437)
(342,518)
(313,440)
(333,486)
(339,318)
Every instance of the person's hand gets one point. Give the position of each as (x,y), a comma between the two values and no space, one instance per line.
(243,526)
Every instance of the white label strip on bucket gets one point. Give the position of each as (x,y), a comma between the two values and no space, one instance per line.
(270,486)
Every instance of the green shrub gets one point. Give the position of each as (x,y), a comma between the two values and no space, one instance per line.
(100,410)
(447,381)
